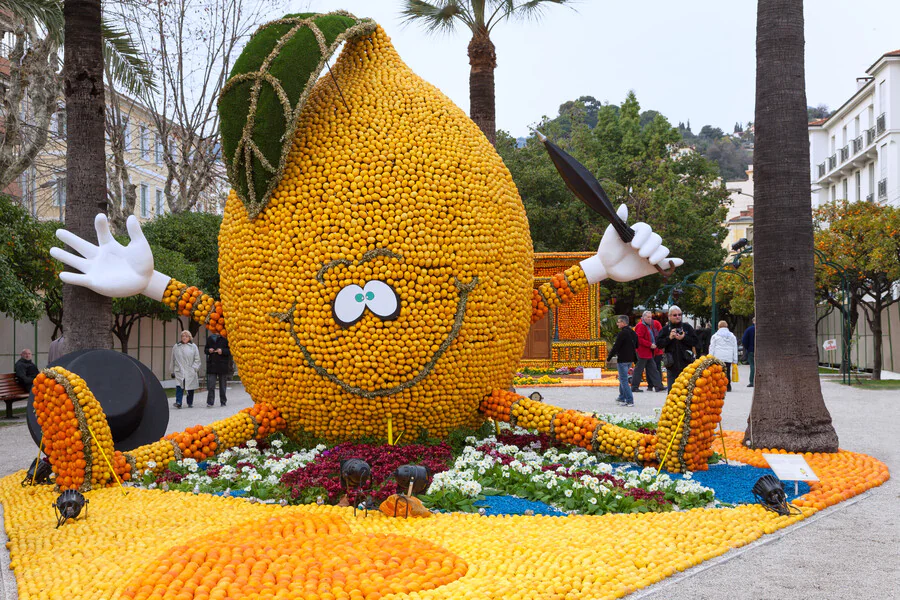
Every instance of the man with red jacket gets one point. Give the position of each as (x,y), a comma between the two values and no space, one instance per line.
(647,331)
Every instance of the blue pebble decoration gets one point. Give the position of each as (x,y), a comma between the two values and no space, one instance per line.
(734,483)
(510,505)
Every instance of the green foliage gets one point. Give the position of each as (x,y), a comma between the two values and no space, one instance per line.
(170,262)
(817,112)
(678,194)
(29,278)
(733,295)
(196,237)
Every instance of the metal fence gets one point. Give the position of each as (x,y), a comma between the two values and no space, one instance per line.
(863,347)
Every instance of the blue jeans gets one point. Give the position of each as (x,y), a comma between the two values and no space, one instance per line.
(624,387)
(178,394)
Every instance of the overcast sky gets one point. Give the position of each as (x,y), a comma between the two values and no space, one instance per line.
(693,59)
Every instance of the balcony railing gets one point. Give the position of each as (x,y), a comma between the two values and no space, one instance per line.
(880,124)
(882,188)
(870,198)
(832,162)
(845,154)
(870,136)
(821,167)
(857,145)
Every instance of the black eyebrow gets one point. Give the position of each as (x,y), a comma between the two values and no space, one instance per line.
(370,255)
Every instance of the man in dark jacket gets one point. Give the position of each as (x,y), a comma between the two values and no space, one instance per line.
(676,338)
(218,368)
(749,343)
(26,370)
(624,350)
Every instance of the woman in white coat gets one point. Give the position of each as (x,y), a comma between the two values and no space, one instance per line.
(724,346)
(184,367)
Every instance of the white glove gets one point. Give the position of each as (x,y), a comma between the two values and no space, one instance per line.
(110,268)
(622,261)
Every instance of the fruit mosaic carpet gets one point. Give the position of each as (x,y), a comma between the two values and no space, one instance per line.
(151,544)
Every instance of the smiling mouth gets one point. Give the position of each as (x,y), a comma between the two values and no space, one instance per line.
(464,289)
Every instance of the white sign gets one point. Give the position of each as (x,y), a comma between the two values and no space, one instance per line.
(593,373)
(830,345)
(790,467)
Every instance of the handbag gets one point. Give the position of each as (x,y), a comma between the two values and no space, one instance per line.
(734,373)
(668,360)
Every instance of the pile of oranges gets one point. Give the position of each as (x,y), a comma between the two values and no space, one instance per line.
(76,436)
(690,415)
(630,445)
(159,453)
(532,414)
(498,405)
(235,430)
(576,428)
(267,418)
(191,302)
(398,202)
(197,442)
(561,288)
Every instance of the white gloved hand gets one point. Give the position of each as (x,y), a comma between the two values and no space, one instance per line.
(623,261)
(111,269)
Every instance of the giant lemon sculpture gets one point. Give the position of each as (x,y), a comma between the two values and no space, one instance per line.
(375,257)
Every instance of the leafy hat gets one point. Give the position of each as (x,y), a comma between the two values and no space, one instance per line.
(260,104)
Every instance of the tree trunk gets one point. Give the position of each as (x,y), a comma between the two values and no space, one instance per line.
(87,317)
(788,410)
(873,317)
(483,61)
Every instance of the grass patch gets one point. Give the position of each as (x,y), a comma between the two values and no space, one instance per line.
(884,384)
(829,371)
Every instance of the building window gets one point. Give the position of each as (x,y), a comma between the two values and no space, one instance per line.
(143,141)
(833,193)
(144,191)
(126,134)
(159,202)
(157,150)
(59,193)
(61,122)
(859,195)
(844,190)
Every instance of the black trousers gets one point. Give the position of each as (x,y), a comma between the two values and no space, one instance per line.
(211,388)
(654,377)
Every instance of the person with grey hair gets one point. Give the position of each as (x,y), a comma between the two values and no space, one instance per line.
(25,369)
(623,349)
(183,365)
(676,338)
(647,331)
(724,346)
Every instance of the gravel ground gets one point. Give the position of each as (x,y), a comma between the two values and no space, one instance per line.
(845,552)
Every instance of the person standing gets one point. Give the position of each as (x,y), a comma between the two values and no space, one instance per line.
(56,349)
(646,330)
(723,345)
(624,351)
(704,339)
(218,368)
(676,338)
(749,342)
(25,369)
(184,366)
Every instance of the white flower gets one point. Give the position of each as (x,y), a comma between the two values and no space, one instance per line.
(151,464)
(277,443)
(687,475)
(248,488)
(251,443)
(592,500)
(254,476)
(568,493)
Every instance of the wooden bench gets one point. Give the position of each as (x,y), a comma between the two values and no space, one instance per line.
(11,391)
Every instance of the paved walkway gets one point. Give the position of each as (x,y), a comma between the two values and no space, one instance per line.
(849,551)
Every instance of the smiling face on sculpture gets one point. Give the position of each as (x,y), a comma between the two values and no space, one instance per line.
(390,272)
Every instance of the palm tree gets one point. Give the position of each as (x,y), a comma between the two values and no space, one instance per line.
(788,410)
(480,17)
(88,325)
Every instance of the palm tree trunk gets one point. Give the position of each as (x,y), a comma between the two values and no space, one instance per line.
(788,410)
(483,61)
(87,318)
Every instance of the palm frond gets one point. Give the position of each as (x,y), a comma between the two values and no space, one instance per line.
(125,62)
(534,9)
(441,15)
(46,12)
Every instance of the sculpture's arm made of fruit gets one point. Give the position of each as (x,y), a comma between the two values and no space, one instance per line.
(683,437)
(79,444)
(118,271)
(615,259)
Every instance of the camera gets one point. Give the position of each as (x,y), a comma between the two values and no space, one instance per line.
(679,330)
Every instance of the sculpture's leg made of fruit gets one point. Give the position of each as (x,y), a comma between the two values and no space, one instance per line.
(683,438)
(561,288)
(79,444)
(189,301)
(76,436)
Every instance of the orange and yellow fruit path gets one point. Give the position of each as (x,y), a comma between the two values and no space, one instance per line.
(153,544)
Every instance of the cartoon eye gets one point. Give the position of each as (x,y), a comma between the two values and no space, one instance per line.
(349,305)
(382,300)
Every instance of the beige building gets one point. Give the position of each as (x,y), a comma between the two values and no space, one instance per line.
(739,220)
